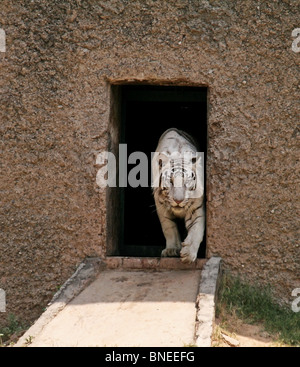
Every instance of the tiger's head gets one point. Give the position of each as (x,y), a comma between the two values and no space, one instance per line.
(179,180)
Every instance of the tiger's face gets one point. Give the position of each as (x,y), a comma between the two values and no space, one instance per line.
(178,182)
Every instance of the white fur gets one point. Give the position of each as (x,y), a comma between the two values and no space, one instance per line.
(177,201)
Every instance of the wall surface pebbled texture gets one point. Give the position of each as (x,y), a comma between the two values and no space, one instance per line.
(61,58)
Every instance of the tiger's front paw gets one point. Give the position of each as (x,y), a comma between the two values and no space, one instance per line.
(188,254)
(170,252)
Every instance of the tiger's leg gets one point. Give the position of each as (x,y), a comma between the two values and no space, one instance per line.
(196,227)
(173,241)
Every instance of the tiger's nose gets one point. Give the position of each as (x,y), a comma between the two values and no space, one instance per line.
(178,201)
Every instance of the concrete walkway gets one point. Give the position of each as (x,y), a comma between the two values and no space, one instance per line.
(122,307)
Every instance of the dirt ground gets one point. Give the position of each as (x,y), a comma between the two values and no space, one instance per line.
(233,332)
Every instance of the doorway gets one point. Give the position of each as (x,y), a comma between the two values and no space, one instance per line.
(146,111)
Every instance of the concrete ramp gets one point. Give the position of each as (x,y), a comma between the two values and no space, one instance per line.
(114,306)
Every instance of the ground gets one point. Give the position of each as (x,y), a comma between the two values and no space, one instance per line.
(242,334)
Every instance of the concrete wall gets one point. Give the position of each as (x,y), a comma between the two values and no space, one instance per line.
(55,79)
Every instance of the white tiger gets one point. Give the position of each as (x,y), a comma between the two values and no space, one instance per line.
(178,188)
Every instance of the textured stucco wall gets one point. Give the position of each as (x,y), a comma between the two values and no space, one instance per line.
(55,81)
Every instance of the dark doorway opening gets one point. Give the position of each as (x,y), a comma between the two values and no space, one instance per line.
(146,112)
